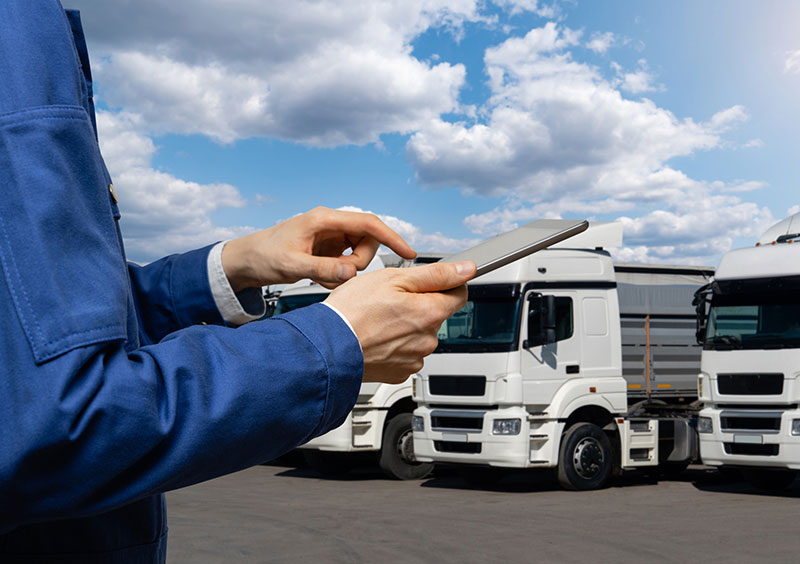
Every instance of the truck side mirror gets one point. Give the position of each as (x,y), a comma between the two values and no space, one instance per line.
(541,321)
(700,303)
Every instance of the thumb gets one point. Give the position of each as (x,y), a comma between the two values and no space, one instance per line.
(329,271)
(437,277)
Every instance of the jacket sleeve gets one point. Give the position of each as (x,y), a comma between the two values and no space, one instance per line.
(92,420)
(172,293)
(98,427)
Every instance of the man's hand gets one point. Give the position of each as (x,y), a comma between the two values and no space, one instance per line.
(396,314)
(309,246)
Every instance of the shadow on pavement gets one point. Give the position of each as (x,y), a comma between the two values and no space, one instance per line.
(703,478)
(357,468)
(526,481)
(292,459)
(732,482)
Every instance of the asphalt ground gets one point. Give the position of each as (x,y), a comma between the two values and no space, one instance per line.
(279,513)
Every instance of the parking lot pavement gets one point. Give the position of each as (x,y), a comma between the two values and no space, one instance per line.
(283,514)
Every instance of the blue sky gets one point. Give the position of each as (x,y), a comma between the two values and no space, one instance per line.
(451,119)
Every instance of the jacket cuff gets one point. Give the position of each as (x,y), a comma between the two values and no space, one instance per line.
(190,289)
(236,308)
(339,348)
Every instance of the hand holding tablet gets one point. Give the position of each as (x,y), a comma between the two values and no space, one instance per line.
(518,243)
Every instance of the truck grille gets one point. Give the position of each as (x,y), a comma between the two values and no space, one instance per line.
(457,385)
(456,421)
(751,450)
(765,422)
(444,422)
(462,448)
(767,384)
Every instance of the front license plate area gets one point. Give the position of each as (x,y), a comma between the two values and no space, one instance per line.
(455,437)
(749,439)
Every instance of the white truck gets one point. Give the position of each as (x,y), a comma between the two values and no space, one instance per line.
(380,422)
(566,360)
(749,323)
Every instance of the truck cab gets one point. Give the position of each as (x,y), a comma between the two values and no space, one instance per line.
(517,357)
(749,324)
(538,370)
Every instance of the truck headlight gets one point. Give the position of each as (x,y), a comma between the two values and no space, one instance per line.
(796,427)
(704,425)
(506,426)
(418,423)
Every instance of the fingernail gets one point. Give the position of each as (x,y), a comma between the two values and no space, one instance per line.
(464,266)
(342,272)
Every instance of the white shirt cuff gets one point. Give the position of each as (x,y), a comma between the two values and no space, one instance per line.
(235,308)
(340,314)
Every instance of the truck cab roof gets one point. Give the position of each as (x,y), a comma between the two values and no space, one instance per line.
(767,261)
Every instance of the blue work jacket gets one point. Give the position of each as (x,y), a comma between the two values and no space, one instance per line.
(120,382)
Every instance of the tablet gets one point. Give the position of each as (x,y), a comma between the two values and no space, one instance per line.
(521,242)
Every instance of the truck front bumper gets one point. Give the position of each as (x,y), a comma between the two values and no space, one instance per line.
(361,431)
(445,440)
(774,447)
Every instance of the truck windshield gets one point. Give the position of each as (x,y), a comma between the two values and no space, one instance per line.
(488,323)
(289,303)
(754,321)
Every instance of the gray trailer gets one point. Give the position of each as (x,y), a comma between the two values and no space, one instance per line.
(660,354)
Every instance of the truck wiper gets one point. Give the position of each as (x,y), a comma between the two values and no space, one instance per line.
(734,341)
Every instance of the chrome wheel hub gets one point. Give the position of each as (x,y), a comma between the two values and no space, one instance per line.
(587,458)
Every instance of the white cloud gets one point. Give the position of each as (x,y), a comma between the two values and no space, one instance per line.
(417,238)
(753,143)
(738,186)
(346,96)
(559,139)
(792,63)
(793,210)
(601,42)
(534,6)
(697,233)
(160,213)
(635,82)
(556,138)
(324,72)
(554,124)
(726,119)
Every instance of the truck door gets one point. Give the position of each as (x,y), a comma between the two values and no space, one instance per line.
(546,365)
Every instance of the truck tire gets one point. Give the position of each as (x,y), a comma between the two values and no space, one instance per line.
(768,479)
(397,451)
(585,458)
(329,463)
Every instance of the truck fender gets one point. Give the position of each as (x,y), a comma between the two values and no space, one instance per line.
(575,394)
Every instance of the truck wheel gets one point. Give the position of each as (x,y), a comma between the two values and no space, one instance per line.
(768,479)
(397,451)
(329,463)
(585,458)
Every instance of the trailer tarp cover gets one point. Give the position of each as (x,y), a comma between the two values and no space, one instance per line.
(635,299)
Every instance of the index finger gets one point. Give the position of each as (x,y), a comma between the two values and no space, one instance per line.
(361,224)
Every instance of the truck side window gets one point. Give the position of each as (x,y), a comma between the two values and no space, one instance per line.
(565,326)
